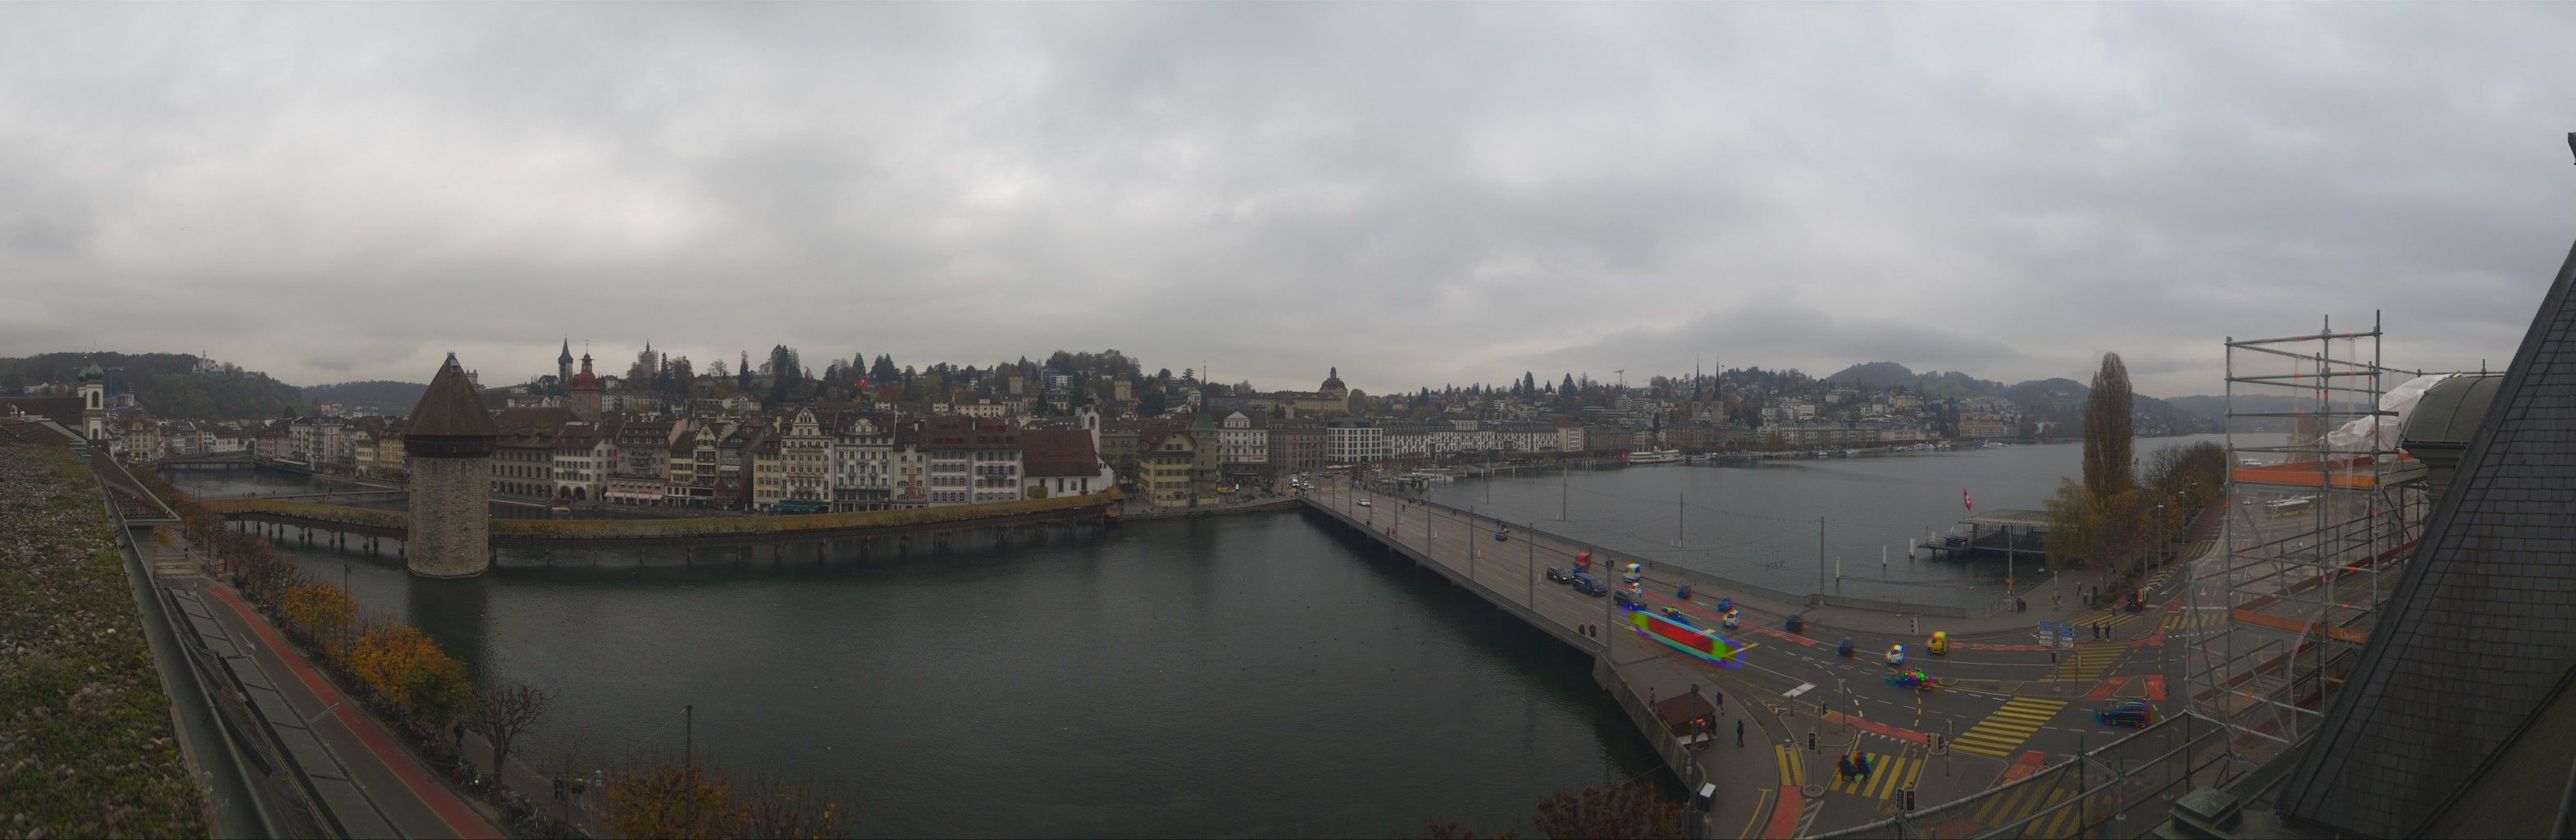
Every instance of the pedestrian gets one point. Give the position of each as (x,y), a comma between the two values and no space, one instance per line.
(1739,732)
(460,739)
(561,792)
(1843,768)
(1721,698)
(578,784)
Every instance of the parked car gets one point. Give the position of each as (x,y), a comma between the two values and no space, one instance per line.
(1590,585)
(2137,713)
(1364,503)
(1556,575)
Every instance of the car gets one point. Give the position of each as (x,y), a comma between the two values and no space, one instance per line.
(1939,644)
(2137,713)
(1731,618)
(1364,503)
(1895,655)
(1631,598)
(1556,575)
(1589,585)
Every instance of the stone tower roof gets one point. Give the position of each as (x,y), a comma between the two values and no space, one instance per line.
(1332,379)
(449,408)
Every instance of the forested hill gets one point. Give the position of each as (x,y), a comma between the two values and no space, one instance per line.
(176,386)
(382,395)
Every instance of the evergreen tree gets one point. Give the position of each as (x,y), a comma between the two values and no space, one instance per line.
(884,370)
(1567,387)
(742,372)
(2107,470)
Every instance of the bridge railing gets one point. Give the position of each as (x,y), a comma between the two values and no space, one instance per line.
(788,523)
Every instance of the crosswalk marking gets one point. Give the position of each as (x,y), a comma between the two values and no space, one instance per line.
(2018,803)
(2189,621)
(2000,733)
(1792,765)
(2087,662)
(1887,775)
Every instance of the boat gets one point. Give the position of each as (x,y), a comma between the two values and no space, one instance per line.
(1654,456)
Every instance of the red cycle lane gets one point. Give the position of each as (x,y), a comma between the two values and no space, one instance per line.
(459,817)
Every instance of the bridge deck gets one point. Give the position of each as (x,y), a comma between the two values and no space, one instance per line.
(636,533)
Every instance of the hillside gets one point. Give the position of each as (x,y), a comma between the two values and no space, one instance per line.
(382,395)
(1874,374)
(170,385)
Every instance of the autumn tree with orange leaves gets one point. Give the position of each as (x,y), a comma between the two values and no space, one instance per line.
(394,657)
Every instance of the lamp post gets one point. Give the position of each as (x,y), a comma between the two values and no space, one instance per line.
(688,761)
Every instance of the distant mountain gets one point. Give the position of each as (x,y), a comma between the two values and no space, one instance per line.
(381,395)
(1936,384)
(177,386)
(2050,395)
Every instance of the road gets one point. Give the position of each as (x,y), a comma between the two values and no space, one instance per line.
(2008,704)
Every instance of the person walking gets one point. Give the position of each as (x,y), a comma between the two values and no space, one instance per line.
(1739,732)
(460,739)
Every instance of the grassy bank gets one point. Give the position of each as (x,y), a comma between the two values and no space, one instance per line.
(86,747)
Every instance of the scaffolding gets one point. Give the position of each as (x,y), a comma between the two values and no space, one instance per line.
(2321,512)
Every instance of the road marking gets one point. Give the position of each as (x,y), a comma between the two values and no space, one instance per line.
(1888,773)
(1792,765)
(1801,689)
(2088,661)
(2004,730)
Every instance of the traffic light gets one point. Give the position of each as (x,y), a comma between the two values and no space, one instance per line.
(1909,799)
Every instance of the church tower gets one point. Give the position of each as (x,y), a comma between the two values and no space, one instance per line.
(563,365)
(449,440)
(585,392)
(93,394)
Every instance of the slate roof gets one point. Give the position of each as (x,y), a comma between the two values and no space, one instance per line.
(449,408)
(2481,630)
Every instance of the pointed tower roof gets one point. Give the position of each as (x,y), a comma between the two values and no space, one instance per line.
(564,359)
(2475,653)
(449,408)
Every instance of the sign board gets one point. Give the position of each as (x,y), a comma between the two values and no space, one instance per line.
(2066,635)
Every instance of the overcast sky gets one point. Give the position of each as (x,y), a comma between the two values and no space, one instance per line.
(1417,194)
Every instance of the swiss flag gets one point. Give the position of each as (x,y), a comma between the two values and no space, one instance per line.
(1965,501)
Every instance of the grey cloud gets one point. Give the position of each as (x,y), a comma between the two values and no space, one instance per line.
(1413,193)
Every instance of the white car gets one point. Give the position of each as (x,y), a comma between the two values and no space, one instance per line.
(1364,503)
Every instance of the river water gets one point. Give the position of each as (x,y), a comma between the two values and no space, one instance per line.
(1758,523)
(1249,675)
(1246,675)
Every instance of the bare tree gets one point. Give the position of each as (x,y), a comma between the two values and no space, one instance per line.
(502,713)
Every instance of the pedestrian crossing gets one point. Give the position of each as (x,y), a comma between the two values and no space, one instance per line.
(1793,765)
(1887,775)
(2195,621)
(2106,619)
(2004,731)
(2034,798)
(2087,661)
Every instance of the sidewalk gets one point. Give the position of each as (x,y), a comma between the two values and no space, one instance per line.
(368,780)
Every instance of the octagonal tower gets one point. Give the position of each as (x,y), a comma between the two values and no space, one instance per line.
(449,440)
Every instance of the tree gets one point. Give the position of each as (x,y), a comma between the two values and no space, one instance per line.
(682,377)
(2106,431)
(1629,809)
(393,657)
(504,712)
(742,372)
(883,370)
(717,370)
(439,696)
(323,613)
(668,801)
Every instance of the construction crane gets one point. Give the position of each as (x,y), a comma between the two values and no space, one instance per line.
(1623,378)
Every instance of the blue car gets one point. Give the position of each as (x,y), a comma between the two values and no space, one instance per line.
(2137,713)
(1590,585)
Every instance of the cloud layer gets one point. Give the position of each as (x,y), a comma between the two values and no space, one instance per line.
(1415,193)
